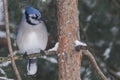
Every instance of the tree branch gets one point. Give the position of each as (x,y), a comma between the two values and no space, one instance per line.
(22,57)
(9,41)
(94,63)
(83,46)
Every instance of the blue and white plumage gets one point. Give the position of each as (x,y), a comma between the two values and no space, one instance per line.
(31,36)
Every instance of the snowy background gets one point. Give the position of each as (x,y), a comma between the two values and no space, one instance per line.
(99,27)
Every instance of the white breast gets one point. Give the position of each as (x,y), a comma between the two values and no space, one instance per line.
(32,43)
(32,39)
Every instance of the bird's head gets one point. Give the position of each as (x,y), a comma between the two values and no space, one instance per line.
(32,15)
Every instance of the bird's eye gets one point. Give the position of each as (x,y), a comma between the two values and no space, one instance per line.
(33,17)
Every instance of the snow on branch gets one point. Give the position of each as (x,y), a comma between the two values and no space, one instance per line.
(55,47)
(80,45)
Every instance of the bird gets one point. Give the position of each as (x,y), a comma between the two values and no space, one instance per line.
(31,36)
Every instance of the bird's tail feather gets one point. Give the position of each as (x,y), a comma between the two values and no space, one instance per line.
(32,66)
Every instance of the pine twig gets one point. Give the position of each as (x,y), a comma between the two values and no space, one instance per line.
(9,41)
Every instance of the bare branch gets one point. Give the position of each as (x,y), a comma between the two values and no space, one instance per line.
(92,60)
(82,46)
(20,56)
(9,41)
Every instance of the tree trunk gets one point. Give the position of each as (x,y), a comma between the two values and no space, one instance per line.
(68,29)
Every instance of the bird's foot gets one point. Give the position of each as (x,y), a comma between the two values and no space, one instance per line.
(25,56)
(42,53)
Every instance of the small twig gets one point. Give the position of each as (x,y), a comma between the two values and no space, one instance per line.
(92,60)
(9,41)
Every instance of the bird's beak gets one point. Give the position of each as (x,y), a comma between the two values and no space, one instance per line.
(42,19)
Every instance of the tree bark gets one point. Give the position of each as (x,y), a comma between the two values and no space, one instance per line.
(68,29)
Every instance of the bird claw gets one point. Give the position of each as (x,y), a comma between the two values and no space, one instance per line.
(25,56)
(42,53)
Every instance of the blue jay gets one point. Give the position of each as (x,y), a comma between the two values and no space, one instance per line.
(31,36)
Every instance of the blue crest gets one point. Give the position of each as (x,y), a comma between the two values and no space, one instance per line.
(31,10)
